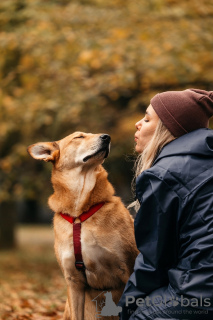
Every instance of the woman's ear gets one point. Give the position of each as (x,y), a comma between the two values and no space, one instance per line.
(47,151)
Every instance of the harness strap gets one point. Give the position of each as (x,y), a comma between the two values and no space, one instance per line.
(77,246)
(79,264)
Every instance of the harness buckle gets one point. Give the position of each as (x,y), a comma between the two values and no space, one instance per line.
(79,265)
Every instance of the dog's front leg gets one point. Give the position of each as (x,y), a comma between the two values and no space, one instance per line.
(76,299)
(66,315)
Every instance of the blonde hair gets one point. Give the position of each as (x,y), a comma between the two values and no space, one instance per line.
(144,161)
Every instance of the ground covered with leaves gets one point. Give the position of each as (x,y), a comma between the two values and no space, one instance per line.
(31,283)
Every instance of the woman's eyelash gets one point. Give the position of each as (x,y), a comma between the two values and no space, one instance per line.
(80,137)
(146,120)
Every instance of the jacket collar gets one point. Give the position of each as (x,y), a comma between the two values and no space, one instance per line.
(199,142)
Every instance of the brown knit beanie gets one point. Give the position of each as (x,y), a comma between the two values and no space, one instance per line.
(184,111)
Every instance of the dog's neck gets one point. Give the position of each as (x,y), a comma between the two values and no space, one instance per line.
(76,190)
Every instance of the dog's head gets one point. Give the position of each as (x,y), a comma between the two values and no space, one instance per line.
(77,149)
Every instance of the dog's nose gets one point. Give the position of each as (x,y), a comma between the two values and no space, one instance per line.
(105,137)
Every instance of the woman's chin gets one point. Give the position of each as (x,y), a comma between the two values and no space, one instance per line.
(138,149)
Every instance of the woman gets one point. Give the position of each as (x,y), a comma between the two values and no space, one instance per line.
(173,273)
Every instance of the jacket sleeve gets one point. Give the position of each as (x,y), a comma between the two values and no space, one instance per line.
(156,238)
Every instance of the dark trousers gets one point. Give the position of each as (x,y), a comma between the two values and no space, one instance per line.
(164,303)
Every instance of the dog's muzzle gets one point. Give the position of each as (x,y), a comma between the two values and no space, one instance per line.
(104,147)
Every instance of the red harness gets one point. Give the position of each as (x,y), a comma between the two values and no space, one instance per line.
(79,264)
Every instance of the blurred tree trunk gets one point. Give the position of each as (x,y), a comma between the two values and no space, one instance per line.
(7,225)
(31,212)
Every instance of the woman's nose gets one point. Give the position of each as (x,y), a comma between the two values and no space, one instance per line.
(138,125)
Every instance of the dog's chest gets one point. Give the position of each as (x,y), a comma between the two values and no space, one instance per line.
(100,259)
(93,247)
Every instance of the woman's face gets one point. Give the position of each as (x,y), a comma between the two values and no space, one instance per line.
(145,129)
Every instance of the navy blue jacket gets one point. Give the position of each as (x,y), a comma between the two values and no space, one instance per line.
(174,225)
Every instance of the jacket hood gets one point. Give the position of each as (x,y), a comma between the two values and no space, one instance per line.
(197,142)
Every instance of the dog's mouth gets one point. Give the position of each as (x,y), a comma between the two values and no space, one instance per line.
(104,149)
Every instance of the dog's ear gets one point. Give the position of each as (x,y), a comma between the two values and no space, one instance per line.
(47,151)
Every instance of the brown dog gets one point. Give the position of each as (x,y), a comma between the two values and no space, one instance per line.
(107,242)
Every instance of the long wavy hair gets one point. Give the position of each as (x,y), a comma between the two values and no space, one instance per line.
(144,160)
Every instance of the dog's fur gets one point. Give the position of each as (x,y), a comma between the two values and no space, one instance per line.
(107,237)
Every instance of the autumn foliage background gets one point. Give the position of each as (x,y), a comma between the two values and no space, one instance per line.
(89,65)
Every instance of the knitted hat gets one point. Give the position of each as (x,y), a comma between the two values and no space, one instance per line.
(184,111)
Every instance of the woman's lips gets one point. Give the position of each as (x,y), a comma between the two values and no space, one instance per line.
(136,138)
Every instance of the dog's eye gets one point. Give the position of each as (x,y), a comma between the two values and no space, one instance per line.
(80,137)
